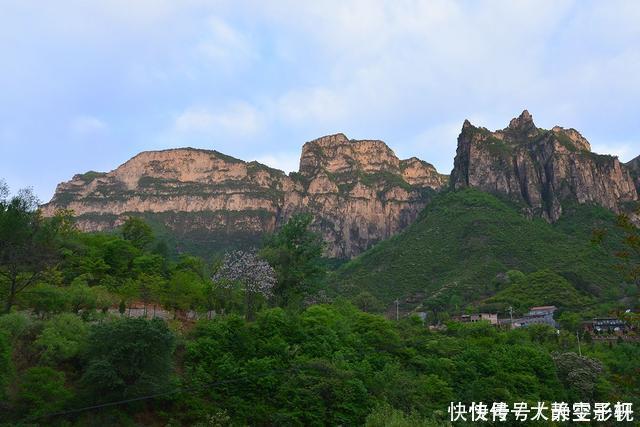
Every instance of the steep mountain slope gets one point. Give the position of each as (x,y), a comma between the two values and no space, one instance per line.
(633,166)
(358,191)
(462,242)
(541,169)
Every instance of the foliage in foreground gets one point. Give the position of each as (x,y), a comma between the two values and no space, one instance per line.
(329,365)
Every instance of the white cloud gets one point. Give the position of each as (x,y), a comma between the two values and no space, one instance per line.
(224,45)
(624,150)
(238,119)
(405,71)
(434,145)
(86,125)
(311,105)
(287,162)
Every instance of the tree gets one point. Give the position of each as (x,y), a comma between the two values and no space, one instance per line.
(138,232)
(6,367)
(104,299)
(127,358)
(28,244)
(579,374)
(61,338)
(570,321)
(81,296)
(181,291)
(42,391)
(119,255)
(295,253)
(366,302)
(629,255)
(256,276)
(387,416)
(45,299)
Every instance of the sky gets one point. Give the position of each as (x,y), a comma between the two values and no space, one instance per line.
(85,85)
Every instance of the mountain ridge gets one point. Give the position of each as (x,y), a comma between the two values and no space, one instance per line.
(540,168)
(359,192)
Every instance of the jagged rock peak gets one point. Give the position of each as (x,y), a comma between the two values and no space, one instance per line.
(344,159)
(579,141)
(540,168)
(523,124)
(338,154)
(524,119)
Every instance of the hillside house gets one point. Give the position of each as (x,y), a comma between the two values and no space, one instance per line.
(540,315)
(606,325)
(492,318)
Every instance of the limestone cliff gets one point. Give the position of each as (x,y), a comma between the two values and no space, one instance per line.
(358,191)
(540,168)
(634,169)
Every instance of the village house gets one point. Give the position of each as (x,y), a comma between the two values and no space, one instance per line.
(606,325)
(536,315)
(540,315)
(492,318)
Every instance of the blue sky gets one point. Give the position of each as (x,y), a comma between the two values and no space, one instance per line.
(85,85)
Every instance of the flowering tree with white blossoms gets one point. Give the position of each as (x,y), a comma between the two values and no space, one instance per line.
(255,275)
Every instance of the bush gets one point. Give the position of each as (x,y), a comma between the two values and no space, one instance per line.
(127,358)
(6,367)
(62,338)
(42,391)
(15,324)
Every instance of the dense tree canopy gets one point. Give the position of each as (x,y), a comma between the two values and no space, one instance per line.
(250,339)
(127,358)
(28,245)
(295,252)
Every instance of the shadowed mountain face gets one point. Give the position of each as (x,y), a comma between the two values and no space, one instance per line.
(358,191)
(540,168)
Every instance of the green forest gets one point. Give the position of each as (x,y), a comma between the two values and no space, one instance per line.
(457,252)
(117,329)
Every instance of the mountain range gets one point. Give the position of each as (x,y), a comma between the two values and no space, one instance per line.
(358,191)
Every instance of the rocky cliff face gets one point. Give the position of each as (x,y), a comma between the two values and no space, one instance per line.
(634,169)
(358,191)
(540,168)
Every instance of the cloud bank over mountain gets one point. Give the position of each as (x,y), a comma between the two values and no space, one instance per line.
(87,85)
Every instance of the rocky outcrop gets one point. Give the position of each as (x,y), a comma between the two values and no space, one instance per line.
(634,169)
(541,169)
(359,192)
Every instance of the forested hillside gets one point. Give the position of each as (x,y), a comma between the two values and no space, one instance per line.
(109,329)
(464,243)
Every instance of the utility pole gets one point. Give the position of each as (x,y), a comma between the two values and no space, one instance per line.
(397,309)
(511,317)
(578,338)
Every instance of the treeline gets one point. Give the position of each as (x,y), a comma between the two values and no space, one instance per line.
(327,365)
(47,266)
(271,348)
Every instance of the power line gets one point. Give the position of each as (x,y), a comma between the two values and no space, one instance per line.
(153,396)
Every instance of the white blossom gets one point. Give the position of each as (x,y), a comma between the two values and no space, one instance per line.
(255,274)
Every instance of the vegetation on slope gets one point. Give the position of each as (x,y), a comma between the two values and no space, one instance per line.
(539,288)
(72,353)
(465,241)
(327,365)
